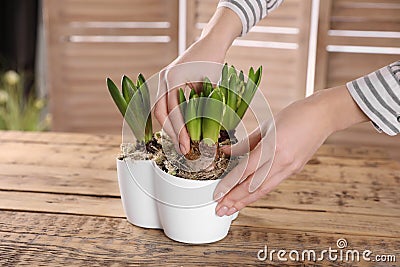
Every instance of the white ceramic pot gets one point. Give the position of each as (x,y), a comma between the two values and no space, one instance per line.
(136,184)
(187,210)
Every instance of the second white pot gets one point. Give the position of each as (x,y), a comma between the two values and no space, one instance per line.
(187,210)
(136,185)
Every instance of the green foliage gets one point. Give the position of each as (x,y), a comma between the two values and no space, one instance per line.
(219,107)
(20,112)
(133,102)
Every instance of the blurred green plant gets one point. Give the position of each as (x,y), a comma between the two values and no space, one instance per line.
(19,111)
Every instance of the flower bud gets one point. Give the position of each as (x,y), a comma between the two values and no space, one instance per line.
(11,77)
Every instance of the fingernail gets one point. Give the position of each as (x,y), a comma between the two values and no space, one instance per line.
(222,211)
(183,149)
(252,188)
(231,211)
(225,149)
(218,196)
(178,149)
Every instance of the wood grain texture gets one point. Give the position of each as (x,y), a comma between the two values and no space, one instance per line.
(60,205)
(89,41)
(94,241)
(298,192)
(280,88)
(338,68)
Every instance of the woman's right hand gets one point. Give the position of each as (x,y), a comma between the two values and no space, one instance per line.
(212,46)
(175,76)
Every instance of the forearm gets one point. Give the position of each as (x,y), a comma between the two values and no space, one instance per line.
(338,108)
(223,28)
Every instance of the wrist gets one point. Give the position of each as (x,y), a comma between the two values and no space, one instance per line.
(339,109)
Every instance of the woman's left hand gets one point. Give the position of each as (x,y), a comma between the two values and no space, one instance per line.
(301,128)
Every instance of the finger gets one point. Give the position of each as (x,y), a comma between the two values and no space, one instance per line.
(266,188)
(259,156)
(245,145)
(229,201)
(177,121)
(242,189)
(268,154)
(161,109)
(267,128)
(240,197)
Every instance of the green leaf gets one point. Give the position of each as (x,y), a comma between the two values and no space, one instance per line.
(250,90)
(143,91)
(251,74)
(128,89)
(257,76)
(241,76)
(116,96)
(192,118)
(225,77)
(207,87)
(212,116)
(232,71)
(182,101)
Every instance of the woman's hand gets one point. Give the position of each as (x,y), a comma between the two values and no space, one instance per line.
(212,46)
(301,128)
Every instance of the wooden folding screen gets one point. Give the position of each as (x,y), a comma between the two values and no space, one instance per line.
(357,37)
(93,39)
(279,43)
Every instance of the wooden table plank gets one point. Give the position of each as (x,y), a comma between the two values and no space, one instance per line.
(96,241)
(359,198)
(61,138)
(277,218)
(349,175)
(82,181)
(61,203)
(55,155)
(103,157)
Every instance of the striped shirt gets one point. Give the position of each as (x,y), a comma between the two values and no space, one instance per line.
(377,94)
(250,11)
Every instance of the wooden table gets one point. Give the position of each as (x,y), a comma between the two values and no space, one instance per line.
(60,205)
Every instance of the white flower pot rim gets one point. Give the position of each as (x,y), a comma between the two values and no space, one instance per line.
(179,182)
(132,177)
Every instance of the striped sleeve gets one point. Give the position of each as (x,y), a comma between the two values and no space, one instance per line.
(378,96)
(250,11)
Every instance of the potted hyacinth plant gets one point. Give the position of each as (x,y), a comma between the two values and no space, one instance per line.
(134,165)
(173,191)
(212,114)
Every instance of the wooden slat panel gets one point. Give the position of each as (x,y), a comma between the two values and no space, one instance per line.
(117,10)
(382,15)
(79,100)
(344,67)
(279,87)
(360,41)
(337,68)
